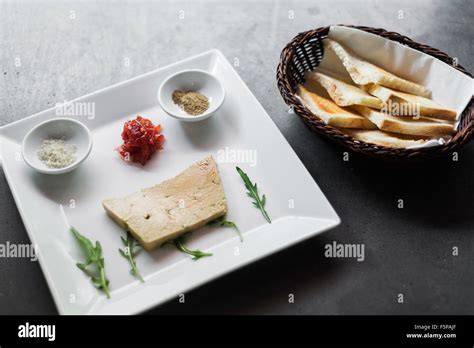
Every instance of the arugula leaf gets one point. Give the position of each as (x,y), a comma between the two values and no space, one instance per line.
(93,257)
(226,223)
(179,244)
(129,253)
(252,192)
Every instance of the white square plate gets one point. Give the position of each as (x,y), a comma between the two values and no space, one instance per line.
(48,204)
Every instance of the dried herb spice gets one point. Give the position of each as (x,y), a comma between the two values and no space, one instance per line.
(193,103)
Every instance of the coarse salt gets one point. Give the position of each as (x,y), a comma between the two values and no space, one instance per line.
(56,153)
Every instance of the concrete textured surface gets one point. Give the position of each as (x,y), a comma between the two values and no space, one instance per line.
(70,48)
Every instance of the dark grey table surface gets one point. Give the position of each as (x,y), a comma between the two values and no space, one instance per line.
(70,48)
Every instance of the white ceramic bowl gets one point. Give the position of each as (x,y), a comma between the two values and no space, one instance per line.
(70,130)
(191,80)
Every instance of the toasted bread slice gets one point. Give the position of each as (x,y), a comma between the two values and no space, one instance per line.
(330,113)
(363,73)
(343,93)
(422,126)
(378,137)
(427,107)
(341,76)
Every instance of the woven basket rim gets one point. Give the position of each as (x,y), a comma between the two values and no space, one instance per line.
(287,91)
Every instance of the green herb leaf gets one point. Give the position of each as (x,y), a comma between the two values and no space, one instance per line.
(93,258)
(252,192)
(129,253)
(226,223)
(179,244)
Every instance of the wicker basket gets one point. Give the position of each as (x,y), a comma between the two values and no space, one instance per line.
(305,52)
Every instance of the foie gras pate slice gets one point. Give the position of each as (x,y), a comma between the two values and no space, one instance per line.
(165,211)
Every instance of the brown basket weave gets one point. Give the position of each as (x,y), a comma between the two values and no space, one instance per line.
(305,52)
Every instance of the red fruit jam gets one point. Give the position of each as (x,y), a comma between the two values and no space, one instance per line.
(141,138)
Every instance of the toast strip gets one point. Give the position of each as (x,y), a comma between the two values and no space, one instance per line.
(404,125)
(382,138)
(330,113)
(343,93)
(426,107)
(363,73)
